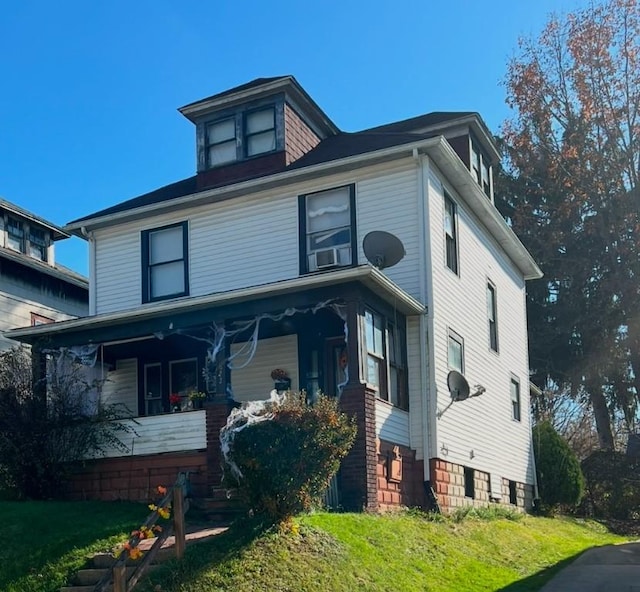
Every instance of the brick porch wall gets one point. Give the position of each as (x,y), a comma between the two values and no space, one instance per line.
(400,477)
(447,480)
(135,478)
(358,480)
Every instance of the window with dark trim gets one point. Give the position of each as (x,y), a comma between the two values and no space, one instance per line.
(15,234)
(515,399)
(153,402)
(450,233)
(469,482)
(327,229)
(492,316)
(513,493)
(481,167)
(165,262)
(37,243)
(398,395)
(240,135)
(455,353)
(376,360)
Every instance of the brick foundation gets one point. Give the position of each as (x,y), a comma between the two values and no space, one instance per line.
(448,482)
(399,477)
(135,478)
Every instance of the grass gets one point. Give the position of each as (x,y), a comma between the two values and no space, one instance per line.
(487,550)
(44,542)
(470,552)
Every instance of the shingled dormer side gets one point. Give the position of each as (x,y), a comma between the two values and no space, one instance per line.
(255,129)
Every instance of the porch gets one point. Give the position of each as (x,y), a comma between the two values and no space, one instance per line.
(180,366)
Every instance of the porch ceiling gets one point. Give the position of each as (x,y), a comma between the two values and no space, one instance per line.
(171,315)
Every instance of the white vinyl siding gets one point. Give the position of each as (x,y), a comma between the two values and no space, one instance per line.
(392,424)
(173,432)
(479,432)
(254,382)
(121,385)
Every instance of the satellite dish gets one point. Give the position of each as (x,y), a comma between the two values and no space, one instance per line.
(458,386)
(382,249)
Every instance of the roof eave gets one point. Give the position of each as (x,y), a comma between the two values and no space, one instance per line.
(455,170)
(56,272)
(57,232)
(365,274)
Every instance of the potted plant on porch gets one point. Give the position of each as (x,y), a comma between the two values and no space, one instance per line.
(281,380)
(197,399)
(175,401)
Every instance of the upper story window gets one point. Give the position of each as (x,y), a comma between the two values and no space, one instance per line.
(165,265)
(481,167)
(241,135)
(37,244)
(27,238)
(450,233)
(15,234)
(492,316)
(455,354)
(327,229)
(515,399)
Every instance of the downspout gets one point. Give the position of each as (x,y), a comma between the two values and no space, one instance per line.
(424,370)
(92,269)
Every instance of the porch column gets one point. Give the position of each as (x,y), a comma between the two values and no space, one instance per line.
(217,412)
(358,480)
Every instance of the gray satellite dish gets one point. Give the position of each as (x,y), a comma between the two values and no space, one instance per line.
(382,249)
(458,386)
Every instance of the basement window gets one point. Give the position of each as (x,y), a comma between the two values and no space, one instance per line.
(469,482)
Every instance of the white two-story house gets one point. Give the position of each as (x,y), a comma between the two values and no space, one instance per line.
(34,288)
(257,264)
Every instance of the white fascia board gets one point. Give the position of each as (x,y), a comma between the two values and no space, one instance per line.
(366,274)
(457,173)
(244,187)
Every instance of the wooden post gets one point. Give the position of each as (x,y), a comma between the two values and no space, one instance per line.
(178,519)
(120,577)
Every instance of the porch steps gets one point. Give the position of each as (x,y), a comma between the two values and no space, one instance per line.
(223,505)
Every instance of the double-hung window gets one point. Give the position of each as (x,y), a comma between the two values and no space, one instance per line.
(221,142)
(492,316)
(165,262)
(455,352)
(327,223)
(481,168)
(240,135)
(398,395)
(515,399)
(260,131)
(37,244)
(450,234)
(376,364)
(15,234)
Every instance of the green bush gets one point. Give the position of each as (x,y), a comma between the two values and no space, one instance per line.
(560,479)
(286,461)
(612,485)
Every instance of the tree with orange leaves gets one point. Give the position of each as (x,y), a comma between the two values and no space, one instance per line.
(570,190)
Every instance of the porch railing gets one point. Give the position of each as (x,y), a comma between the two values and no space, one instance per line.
(176,495)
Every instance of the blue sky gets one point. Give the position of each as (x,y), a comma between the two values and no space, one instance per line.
(89,90)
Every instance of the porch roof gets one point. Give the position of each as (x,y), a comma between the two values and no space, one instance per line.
(171,314)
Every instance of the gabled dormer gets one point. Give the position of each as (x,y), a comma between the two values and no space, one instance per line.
(257,128)
(468,136)
(27,234)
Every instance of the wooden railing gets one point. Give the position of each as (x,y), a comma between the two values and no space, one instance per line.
(176,495)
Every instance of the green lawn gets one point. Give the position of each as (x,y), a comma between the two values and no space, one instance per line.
(347,552)
(45,541)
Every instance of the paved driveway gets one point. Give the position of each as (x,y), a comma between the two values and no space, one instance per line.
(613,568)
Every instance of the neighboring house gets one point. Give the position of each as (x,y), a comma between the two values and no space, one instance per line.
(33,288)
(256,263)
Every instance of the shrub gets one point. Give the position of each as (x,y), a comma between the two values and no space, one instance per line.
(44,430)
(281,455)
(612,485)
(560,479)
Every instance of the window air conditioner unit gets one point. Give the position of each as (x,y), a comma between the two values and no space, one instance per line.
(327,258)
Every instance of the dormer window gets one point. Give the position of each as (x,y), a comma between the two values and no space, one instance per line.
(481,168)
(242,135)
(37,244)
(15,234)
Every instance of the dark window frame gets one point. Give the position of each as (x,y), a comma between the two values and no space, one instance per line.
(516,401)
(452,259)
(469,482)
(484,162)
(513,493)
(302,225)
(492,311)
(246,135)
(18,233)
(208,144)
(38,243)
(146,267)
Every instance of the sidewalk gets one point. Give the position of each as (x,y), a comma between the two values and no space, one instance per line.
(613,568)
